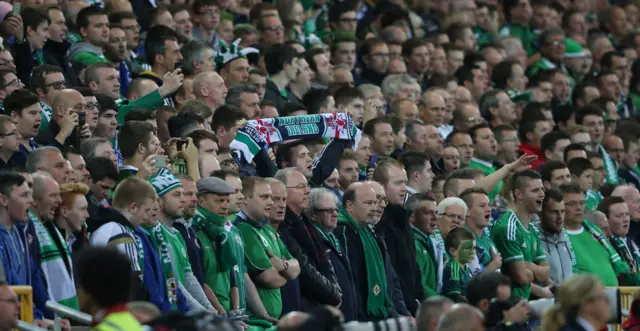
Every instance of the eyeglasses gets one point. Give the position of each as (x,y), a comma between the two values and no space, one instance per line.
(92,105)
(328,210)
(300,187)
(454,216)
(15,82)
(57,85)
(273,28)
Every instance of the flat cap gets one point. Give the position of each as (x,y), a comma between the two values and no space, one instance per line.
(214,185)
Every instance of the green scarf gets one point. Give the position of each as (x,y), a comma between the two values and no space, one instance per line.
(329,237)
(162,247)
(213,225)
(609,167)
(425,240)
(618,265)
(377,299)
(61,287)
(631,256)
(572,253)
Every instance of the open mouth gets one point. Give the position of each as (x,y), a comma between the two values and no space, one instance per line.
(487,216)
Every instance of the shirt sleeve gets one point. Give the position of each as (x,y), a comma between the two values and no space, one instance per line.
(451,283)
(540,254)
(508,242)
(255,251)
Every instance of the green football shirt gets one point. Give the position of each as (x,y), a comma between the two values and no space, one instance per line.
(487,169)
(258,238)
(486,244)
(591,257)
(517,243)
(455,278)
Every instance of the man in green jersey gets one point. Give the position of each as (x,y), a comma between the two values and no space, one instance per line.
(517,239)
(173,249)
(593,252)
(478,215)
(617,213)
(268,260)
(424,225)
(517,15)
(223,251)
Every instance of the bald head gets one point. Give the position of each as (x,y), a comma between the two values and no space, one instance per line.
(463,95)
(65,100)
(462,317)
(203,81)
(140,87)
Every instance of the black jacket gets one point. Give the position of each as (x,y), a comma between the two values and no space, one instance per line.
(394,227)
(55,54)
(193,249)
(48,137)
(318,283)
(368,76)
(272,93)
(350,242)
(343,273)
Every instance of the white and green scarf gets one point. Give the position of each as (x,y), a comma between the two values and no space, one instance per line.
(61,287)
(609,167)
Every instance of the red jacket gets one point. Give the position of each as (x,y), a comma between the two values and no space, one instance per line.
(532,150)
(633,322)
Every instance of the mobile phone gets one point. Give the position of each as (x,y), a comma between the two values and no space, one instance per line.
(16,9)
(82,119)
(181,143)
(161,161)
(374,159)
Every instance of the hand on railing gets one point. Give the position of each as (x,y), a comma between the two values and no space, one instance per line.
(69,313)
(24,326)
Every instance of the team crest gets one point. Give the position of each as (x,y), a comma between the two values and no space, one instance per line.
(376,290)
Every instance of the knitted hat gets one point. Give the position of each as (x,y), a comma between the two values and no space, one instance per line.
(164,182)
(516,96)
(228,53)
(572,49)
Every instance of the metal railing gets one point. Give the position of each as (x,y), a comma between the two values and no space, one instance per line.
(26,302)
(24,326)
(69,313)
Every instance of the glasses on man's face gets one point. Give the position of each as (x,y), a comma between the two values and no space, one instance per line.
(454,216)
(16,83)
(274,28)
(327,211)
(299,187)
(92,105)
(57,85)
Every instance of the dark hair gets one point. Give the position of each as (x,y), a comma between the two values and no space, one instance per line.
(607,202)
(115,19)
(411,44)
(577,166)
(105,274)
(414,161)
(571,188)
(572,147)
(283,154)
(291,107)
(85,91)
(345,95)
(132,134)
(32,18)
(315,99)
(38,74)
(155,43)
(586,111)
(579,91)
(484,286)
(548,168)
(540,77)
(102,168)
(19,100)
(456,31)
(310,54)
(82,20)
(226,116)
(105,103)
(199,135)
(277,56)
(140,115)
(222,174)
(370,127)
(499,131)
(9,180)
(467,194)
(338,8)
(549,140)
(474,129)
(465,73)
(552,194)
(456,237)
(606,62)
(517,180)
(501,74)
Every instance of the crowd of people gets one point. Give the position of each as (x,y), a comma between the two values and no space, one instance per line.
(299,164)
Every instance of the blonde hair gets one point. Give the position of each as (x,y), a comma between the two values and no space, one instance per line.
(130,190)
(570,296)
(576,128)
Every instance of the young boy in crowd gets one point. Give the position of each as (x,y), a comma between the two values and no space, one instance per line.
(460,246)
(581,171)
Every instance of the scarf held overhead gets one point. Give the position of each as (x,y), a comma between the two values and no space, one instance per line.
(256,134)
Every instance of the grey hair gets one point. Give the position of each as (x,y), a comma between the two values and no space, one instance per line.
(193,51)
(368,90)
(487,101)
(38,178)
(283,174)
(410,127)
(412,203)
(234,95)
(510,44)
(316,195)
(451,201)
(37,157)
(272,180)
(388,34)
(391,83)
(592,216)
(88,147)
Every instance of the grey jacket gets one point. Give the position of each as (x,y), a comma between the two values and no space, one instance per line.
(557,247)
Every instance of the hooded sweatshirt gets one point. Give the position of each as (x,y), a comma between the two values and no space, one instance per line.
(112,229)
(85,53)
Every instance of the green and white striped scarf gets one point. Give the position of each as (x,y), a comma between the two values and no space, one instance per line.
(619,266)
(163,248)
(61,287)
(631,256)
(609,167)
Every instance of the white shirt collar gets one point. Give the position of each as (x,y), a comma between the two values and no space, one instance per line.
(584,324)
